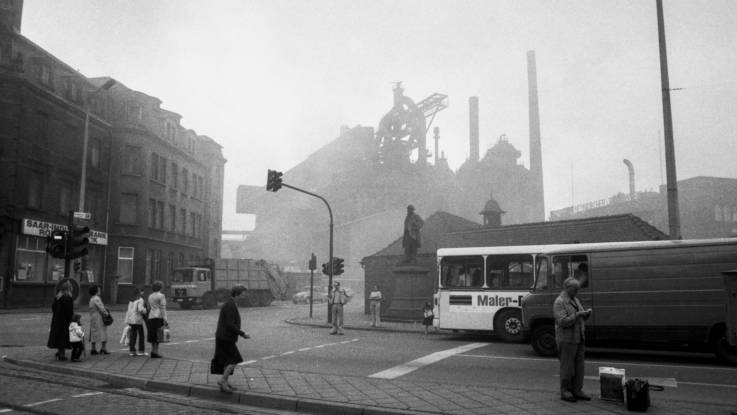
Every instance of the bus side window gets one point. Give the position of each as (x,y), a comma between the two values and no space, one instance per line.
(543,276)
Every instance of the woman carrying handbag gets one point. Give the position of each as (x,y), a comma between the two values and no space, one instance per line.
(227,355)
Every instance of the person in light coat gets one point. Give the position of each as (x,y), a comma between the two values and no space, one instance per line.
(375,305)
(156,317)
(134,320)
(98,330)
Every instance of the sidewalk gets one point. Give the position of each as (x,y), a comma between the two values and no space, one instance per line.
(329,394)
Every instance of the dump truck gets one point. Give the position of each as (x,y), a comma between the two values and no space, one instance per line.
(210,283)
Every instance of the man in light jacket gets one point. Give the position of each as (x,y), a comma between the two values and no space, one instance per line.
(570,328)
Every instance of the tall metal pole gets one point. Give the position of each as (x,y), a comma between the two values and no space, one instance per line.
(330,212)
(83,178)
(674,225)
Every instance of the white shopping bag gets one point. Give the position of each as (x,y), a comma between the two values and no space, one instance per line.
(612,384)
(124,338)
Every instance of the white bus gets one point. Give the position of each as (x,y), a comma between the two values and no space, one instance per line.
(480,289)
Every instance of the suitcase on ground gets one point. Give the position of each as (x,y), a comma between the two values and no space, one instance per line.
(638,395)
(612,384)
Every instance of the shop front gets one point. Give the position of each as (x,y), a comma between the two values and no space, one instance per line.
(36,273)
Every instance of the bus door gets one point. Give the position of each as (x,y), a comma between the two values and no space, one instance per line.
(576,266)
(461,282)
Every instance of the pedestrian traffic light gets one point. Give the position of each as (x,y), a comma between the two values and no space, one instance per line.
(273,180)
(337,266)
(77,266)
(313,263)
(79,241)
(56,244)
(326,268)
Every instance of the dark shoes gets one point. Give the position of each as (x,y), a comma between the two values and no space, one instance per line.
(94,352)
(567,396)
(103,351)
(60,357)
(582,397)
(155,356)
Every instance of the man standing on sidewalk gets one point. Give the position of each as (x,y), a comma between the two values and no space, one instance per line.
(337,299)
(570,335)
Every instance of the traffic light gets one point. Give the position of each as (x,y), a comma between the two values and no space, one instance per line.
(326,268)
(56,244)
(77,266)
(313,263)
(273,180)
(337,266)
(79,241)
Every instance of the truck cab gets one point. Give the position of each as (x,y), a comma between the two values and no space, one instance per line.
(192,286)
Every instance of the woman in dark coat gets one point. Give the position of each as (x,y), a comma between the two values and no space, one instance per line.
(226,336)
(63,310)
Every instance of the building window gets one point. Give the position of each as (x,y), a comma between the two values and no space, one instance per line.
(149,261)
(156,266)
(181,260)
(44,74)
(154,166)
(131,163)
(135,112)
(128,208)
(174,175)
(34,191)
(172,218)
(42,128)
(183,221)
(159,214)
(193,222)
(30,259)
(195,191)
(125,264)
(65,198)
(151,213)
(169,264)
(94,150)
(185,177)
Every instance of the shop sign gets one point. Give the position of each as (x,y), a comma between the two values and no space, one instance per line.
(44,229)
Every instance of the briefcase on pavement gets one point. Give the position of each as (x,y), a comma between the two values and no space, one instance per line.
(164,335)
(638,395)
(612,384)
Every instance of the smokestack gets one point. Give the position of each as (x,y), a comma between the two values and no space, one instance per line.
(436,136)
(473,128)
(631,170)
(11,13)
(536,163)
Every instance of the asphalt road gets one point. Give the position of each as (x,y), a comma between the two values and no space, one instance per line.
(452,358)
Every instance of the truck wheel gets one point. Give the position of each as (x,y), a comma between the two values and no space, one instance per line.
(722,348)
(508,325)
(185,305)
(543,340)
(209,301)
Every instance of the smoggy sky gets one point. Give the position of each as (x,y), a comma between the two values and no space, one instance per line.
(274,80)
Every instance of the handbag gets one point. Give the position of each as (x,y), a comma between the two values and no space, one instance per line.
(163,334)
(216,368)
(612,384)
(107,319)
(638,395)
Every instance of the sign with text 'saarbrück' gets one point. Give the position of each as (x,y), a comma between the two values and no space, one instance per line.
(40,228)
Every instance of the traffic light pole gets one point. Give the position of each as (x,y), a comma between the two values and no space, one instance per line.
(67,247)
(330,211)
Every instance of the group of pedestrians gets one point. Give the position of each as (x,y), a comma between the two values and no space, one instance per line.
(67,328)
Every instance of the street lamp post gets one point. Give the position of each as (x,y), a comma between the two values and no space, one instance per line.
(83,178)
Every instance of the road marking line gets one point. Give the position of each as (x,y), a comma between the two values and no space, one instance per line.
(191,341)
(320,346)
(409,367)
(304,349)
(30,318)
(30,405)
(172,344)
(345,342)
(2,411)
(82,395)
(247,362)
(286,353)
(268,357)
(354,340)
(209,338)
(720,385)
(599,362)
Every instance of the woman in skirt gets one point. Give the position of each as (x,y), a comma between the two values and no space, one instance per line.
(227,355)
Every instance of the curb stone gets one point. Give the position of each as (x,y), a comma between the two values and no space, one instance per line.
(247,398)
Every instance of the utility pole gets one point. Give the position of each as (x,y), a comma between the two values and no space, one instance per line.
(674,222)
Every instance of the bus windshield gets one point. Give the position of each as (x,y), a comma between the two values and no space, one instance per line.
(182,275)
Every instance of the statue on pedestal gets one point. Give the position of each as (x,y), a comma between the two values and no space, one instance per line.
(411,239)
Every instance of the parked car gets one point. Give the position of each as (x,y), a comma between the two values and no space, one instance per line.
(303,297)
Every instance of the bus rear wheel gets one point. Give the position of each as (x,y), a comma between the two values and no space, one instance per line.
(724,351)
(543,340)
(508,325)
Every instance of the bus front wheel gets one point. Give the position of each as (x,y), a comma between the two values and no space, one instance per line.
(508,325)
(543,340)
(724,351)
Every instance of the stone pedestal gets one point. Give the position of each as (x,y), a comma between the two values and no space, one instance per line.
(413,285)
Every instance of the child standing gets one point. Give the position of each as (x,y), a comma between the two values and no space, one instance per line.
(134,319)
(428,315)
(76,337)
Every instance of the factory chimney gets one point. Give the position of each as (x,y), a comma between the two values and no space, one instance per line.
(631,171)
(536,164)
(473,128)
(11,13)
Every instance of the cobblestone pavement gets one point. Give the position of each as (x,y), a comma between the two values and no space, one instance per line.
(313,392)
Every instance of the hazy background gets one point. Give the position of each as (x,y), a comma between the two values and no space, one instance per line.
(274,80)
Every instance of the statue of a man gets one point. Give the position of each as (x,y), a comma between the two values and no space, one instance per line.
(411,239)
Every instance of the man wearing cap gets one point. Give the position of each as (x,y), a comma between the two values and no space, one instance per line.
(570,328)
(411,238)
(338,298)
